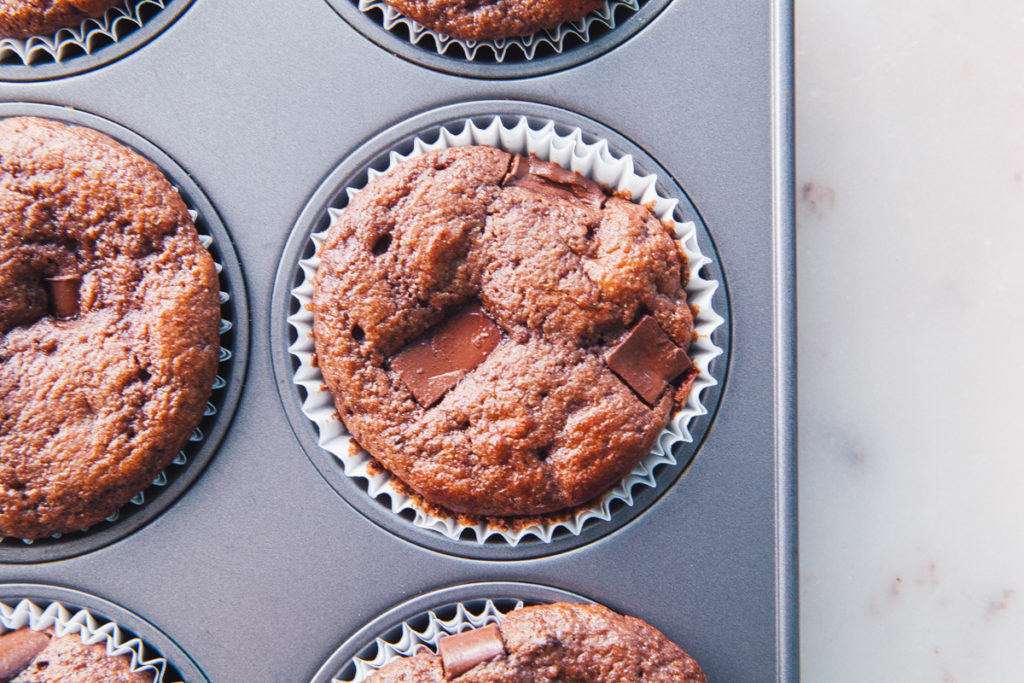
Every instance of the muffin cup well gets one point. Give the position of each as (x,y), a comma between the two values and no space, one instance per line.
(197,436)
(92,43)
(545,51)
(82,623)
(205,437)
(526,48)
(424,620)
(571,149)
(97,621)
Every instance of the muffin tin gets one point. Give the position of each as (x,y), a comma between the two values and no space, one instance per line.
(266,561)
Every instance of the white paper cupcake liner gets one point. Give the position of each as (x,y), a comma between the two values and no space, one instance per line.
(595,161)
(91,629)
(409,640)
(507,48)
(91,35)
(197,436)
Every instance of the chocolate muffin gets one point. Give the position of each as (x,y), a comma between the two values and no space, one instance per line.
(28,656)
(564,642)
(493,19)
(26,18)
(109,321)
(499,333)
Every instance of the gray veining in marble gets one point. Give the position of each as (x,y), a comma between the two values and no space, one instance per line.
(910,193)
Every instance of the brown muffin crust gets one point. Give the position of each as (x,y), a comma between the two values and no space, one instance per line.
(94,406)
(567,643)
(26,18)
(67,660)
(493,19)
(542,424)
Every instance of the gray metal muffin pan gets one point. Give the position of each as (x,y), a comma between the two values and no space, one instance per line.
(260,570)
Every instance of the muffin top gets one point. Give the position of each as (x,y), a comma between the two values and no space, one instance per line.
(493,19)
(25,18)
(479,319)
(28,656)
(109,322)
(564,642)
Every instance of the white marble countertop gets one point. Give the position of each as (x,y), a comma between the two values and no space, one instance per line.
(910,229)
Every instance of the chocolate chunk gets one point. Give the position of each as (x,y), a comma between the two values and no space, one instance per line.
(551,179)
(64,295)
(425,371)
(18,649)
(468,338)
(647,360)
(435,363)
(460,653)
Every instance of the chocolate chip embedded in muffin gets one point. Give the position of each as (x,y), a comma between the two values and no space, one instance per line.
(26,18)
(28,656)
(433,365)
(18,649)
(493,19)
(565,642)
(647,359)
(108,326)
(461,652)
(538,421)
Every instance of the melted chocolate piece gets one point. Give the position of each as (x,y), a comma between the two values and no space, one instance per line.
(468,338)
(553,180)
(18,649)
(64,295)
(426,372)
(435,363)
(647,360)
(460,653)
